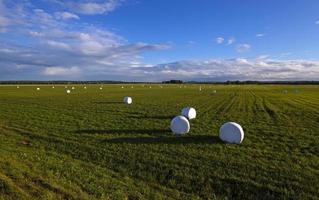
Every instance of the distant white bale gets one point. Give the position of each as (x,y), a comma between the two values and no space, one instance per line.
(127,100)
(85,87)
(68,91)
(53,87)
(189,112)
(101,88)
(73,88)
(150,86)
(18,87)
(180,125)
(38,89)
(122,87)
(132,87)
(231,132)
(200,88)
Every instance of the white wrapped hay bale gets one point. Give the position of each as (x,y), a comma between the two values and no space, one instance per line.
(180,125)
(73,88)
(68,91)
(189,113)
(127,100)
(85,87)
(101,88)
(18,87)
(231,132)
(38,89)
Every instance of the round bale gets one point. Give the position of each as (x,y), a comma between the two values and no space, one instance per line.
(231,132)
(127,100)
(180,125)
(189,113)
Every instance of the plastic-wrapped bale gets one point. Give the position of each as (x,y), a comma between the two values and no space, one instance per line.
(127,100)
(73,88)
(85,87)
(180,125)
(231,132)
(68,91)
(189,112)
(38,89)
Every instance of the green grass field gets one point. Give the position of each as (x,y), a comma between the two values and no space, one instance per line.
(89,145)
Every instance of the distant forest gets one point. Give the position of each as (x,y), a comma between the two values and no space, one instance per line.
(164,82)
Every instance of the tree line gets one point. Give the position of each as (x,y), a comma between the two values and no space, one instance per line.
(163,82)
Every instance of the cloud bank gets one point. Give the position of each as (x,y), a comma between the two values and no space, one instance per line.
(235,69)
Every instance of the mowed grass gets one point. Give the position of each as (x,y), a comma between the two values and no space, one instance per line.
(89,145)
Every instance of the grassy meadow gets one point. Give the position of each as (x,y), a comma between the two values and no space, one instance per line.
(89,145)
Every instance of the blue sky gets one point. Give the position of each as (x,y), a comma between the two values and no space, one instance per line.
(152,40)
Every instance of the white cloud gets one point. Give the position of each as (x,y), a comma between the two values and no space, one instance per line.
(317,22)
(241,48)
(65,15)
(231,41)
(260,35)
(61,71)
(241,61)
(35,34)
(58,45)
(261,57)
(93,8)
(219,40)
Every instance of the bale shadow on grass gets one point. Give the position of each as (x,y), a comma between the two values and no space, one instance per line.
(125,131)
(108,102)
(153,117)
(194,139)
